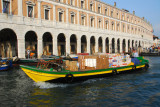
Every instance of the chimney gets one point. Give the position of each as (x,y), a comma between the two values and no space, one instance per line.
(115,4)
(133,12)
(143,18)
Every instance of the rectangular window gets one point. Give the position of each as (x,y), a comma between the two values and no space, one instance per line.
(99,9)
(82,4)
(92,22)
(91,7)
(99,24)
(72,2)
(60,16)
(5,6)
(46,14)
(72,19)
(106,12)
(111,13)
(30,11)
(82,23)
(106,25)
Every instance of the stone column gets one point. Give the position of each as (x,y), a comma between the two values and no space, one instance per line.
(121,41)
(21,47)
(103,45)
(110,45)
(88,44)
(78,45)
(115,45)
(96,44)
(40,47)
(55,45)
(67,45)
(126,45)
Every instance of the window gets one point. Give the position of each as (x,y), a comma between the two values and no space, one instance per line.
(99,9)
(91,7)
(60,16)
(112,25)
(118,27)
(6,6)
(128,18)
(82,4)
(99,23)
(117,15)
(72,19)
(111,13)
(60,0)
(83,19)
(72,2)
(123,27)
(92,22)
(46,14)
(106,24)
(30,11)
(106,11)
(30,8)
(122,16)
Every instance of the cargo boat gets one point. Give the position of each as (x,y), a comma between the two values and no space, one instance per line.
(65,76)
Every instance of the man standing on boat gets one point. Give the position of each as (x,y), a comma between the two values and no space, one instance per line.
(28,52)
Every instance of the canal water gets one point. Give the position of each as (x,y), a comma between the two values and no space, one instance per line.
(136,89)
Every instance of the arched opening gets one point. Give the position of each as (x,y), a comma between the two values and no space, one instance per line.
(31,44)
(118,45)
(61,40)
(113,45)
(124,46)
(8,43)
(47,44)
(107,45)
(100,45)
(83,44)
(92,44)
(73,44)
(129,48)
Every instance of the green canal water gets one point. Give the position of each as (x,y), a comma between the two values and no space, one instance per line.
(138,89)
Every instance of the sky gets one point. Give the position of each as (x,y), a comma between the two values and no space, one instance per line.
(149,9)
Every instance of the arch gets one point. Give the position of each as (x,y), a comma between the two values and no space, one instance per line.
(61,41)
(92,45)
(73,44)
(83,44)
(8,43)
(118,45)
(47,44)
(107,45)
(113,45)
(100,45)
(30,44)
(124,45)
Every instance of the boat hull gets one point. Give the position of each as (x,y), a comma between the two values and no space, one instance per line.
(39,75)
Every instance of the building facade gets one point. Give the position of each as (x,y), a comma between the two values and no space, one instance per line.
(60,27)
